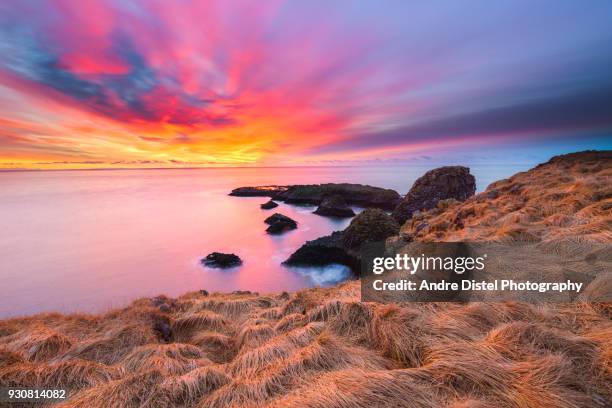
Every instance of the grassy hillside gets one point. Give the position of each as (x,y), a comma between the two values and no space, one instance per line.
(324,348)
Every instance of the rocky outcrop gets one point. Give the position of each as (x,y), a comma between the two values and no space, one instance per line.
(438,184)
(334,206)
(567,198)
(325,250)
(268,205)
(354,194)
(258,191)
(221,260)
(279,223)
(372,225)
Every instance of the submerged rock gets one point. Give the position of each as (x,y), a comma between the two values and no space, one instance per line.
(438,184)
(221,260)
(354,194)
(268,205)
(279,223)
(334,206)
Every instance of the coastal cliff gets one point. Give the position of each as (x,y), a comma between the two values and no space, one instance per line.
(322,347)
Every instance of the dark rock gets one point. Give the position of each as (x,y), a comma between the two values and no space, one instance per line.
(203,292)
(281,226)
(323,251)
(162,299)
(334,206)
(372,225)
(162,328)
(343,247)
(164,308)
(435,185)
(279,223)
(492,194)
(221,260)
(354,194)
(268,205)
(158,301)
(277,217)
(242,292)
(259,191)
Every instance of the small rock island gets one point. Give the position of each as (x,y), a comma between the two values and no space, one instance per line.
(279,223)
(335,206)
(221,260)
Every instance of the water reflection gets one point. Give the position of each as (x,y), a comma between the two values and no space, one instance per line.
(92,240)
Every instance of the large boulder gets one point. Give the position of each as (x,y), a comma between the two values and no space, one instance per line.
(334,206)
(221,260)
(354,194)
(438,184)
(279,223)
(372,225)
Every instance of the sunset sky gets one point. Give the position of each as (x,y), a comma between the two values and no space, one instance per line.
(157,83)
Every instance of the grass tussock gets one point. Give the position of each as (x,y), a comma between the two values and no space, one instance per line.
(175,358)
(74,374)
(112,345)
(184,327)
(40,345)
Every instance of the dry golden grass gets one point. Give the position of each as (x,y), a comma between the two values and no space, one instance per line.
(334,352)
(569,196)
(324,348)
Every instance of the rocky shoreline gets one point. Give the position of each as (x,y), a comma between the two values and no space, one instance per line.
(354,194)
(372,225)
(440,205)
(324,347)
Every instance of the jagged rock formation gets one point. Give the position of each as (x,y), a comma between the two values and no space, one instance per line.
(450,182)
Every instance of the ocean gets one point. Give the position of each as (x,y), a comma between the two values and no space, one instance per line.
(93,240)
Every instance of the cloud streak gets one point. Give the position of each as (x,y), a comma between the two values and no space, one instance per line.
(247,82)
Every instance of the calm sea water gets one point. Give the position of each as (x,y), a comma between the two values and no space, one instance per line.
(86,241)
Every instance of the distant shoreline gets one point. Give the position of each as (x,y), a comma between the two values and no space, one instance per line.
(252,167)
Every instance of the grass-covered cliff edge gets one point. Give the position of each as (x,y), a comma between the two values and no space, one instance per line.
(325,348)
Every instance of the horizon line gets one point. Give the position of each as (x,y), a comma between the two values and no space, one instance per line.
(19,170)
